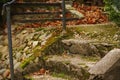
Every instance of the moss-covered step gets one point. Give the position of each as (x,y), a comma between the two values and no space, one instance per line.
(66,66)
(102,33)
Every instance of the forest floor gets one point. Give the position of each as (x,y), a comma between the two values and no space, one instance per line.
(94,32)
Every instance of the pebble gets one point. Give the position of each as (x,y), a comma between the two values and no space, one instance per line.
(24,31)
(42,37)
(14,61)
(1,46)
(9,76)
(35,43)
(48,36)
(28,55)
(43,43)
(4,49)
(15,42)
(3,57)
(18,55)
(7,62)
(2,64)
(36,60)
(2,71)
(1,78)
(26,48)
(5,42)
(29,43)
(0,37)
(24,56)
(17,65)
(6,73)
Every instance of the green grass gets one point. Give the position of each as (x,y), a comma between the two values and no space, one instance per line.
(61,75)
(28,77)
(90,58)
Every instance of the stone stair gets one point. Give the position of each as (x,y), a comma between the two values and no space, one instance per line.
(72,65)
(74,62)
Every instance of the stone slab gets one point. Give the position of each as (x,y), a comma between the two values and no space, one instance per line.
(107,62)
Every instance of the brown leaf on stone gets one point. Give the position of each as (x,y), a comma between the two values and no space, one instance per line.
(42,71)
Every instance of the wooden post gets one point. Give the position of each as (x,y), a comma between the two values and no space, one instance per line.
(64,17)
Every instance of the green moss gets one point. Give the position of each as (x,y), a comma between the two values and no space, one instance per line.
(37,51)
(81,63)
(36,36)
(27,77)
(47,57)
(39,29)
(85,74)
(61,75)
(67,62)
(26,61)
(90,58)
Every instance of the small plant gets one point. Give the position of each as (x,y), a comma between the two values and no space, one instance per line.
(113,9)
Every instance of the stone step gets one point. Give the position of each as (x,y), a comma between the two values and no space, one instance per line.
(74,66)
(75,59)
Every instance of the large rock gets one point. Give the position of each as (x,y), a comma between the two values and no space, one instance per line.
(80,47)
(108,66)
